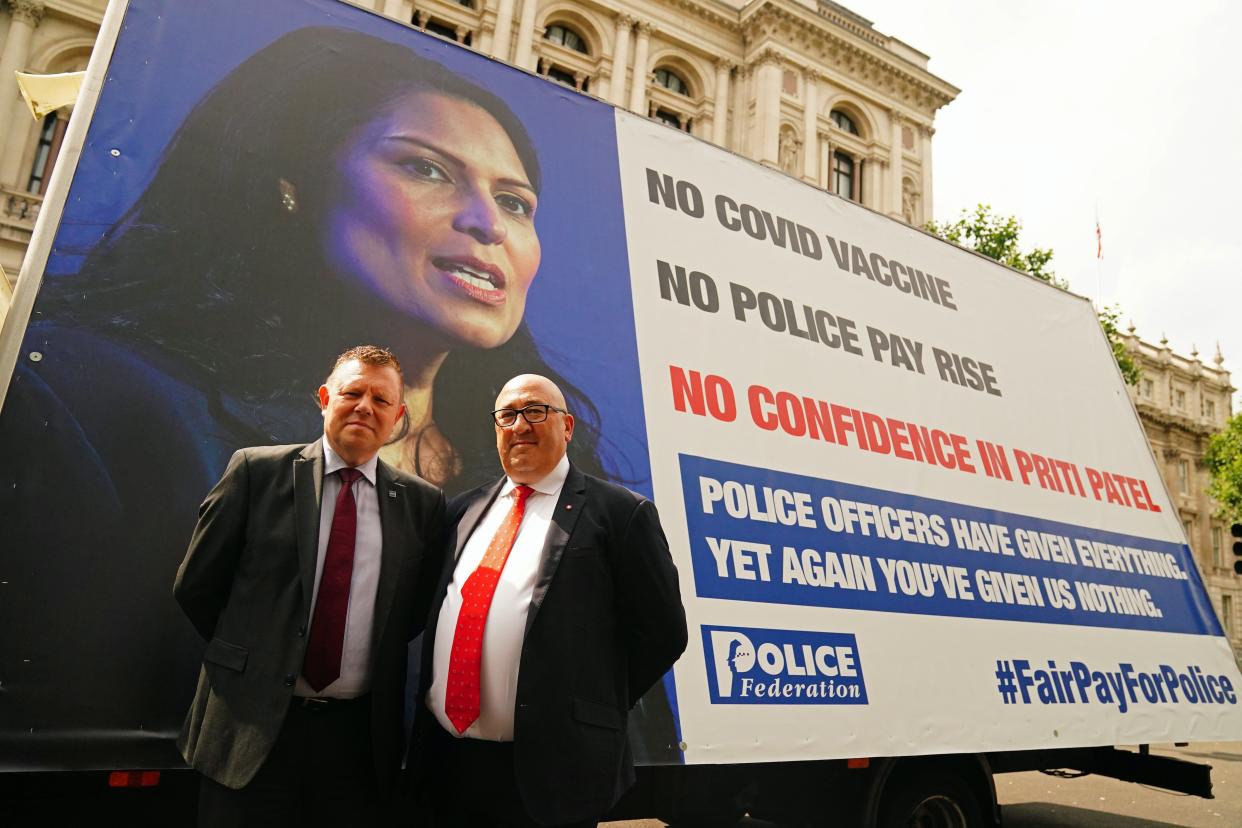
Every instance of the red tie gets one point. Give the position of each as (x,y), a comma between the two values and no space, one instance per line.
(461,700)
(327,635)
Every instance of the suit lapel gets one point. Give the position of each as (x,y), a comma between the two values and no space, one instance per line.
(307,494)
(391,496)
(564,517)
(471,517)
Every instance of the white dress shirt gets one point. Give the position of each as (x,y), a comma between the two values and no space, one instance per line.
(506,619)
(355,677)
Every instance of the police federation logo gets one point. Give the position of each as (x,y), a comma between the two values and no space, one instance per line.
(747,665)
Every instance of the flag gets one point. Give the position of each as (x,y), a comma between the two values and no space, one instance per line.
(46,93)
(1099,241)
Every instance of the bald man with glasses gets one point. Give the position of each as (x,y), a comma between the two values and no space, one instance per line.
(559,608)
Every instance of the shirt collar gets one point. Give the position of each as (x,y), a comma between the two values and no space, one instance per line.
(549,485)
(332,463)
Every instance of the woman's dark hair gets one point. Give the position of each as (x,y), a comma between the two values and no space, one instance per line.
(210,270)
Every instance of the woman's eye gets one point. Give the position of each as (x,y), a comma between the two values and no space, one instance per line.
(516,205)
(426,168)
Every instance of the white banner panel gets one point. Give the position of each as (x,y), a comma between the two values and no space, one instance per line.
(912,506)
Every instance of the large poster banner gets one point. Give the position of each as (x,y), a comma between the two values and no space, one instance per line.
(908,498)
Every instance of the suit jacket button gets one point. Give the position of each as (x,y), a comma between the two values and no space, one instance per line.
(290,680)
(301,632)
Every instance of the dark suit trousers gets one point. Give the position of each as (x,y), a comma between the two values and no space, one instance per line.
(473,785)
(320,772)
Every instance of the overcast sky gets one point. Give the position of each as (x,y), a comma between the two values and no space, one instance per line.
(1133,110)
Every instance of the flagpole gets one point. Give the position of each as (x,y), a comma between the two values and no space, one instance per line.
(1099,256)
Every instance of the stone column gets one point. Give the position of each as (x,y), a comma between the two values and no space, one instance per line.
(894,166)
(398,9)
(526,36)
(768,108)
(602,85)
(810,126)
(620,59)
(873,194)
(14,117)
(720,117)
(638,85)
(502,39)
(926,133)
(740,85)
(825,164)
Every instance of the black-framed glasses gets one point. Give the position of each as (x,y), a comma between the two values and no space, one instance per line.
(534,413)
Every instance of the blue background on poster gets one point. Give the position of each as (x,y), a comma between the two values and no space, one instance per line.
(582,289)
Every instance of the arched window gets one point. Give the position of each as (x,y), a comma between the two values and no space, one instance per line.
(566,37)
(672,82)
(844,121)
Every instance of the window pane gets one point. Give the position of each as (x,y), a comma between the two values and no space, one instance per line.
(844,121)
(843,174)
(445,31)
(42,166)
(566,37)
(670,118)
(671,82)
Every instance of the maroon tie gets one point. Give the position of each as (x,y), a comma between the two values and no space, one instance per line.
(327,635)
(462,697)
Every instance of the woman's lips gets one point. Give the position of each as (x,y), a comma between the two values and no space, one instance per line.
(479,280)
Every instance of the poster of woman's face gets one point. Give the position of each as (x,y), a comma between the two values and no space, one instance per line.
(276,195)
(260,188)
(441,229)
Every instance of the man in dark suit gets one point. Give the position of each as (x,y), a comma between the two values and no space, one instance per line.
(309,571)
(560,608)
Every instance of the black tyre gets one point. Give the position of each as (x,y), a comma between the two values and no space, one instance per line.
(925,798)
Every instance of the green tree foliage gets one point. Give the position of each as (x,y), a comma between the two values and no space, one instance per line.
(1125,362)
(997,237)
(1224,459)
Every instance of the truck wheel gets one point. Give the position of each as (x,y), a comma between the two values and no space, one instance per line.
(929,799)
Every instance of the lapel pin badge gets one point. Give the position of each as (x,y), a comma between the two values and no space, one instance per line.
(569,505)
(392,493)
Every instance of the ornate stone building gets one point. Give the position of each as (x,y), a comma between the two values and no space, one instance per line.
(806,86)
(1181,402)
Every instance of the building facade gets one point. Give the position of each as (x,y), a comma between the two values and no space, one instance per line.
(806,86)
(1182,401)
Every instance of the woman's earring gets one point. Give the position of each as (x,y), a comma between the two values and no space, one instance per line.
(288,196)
